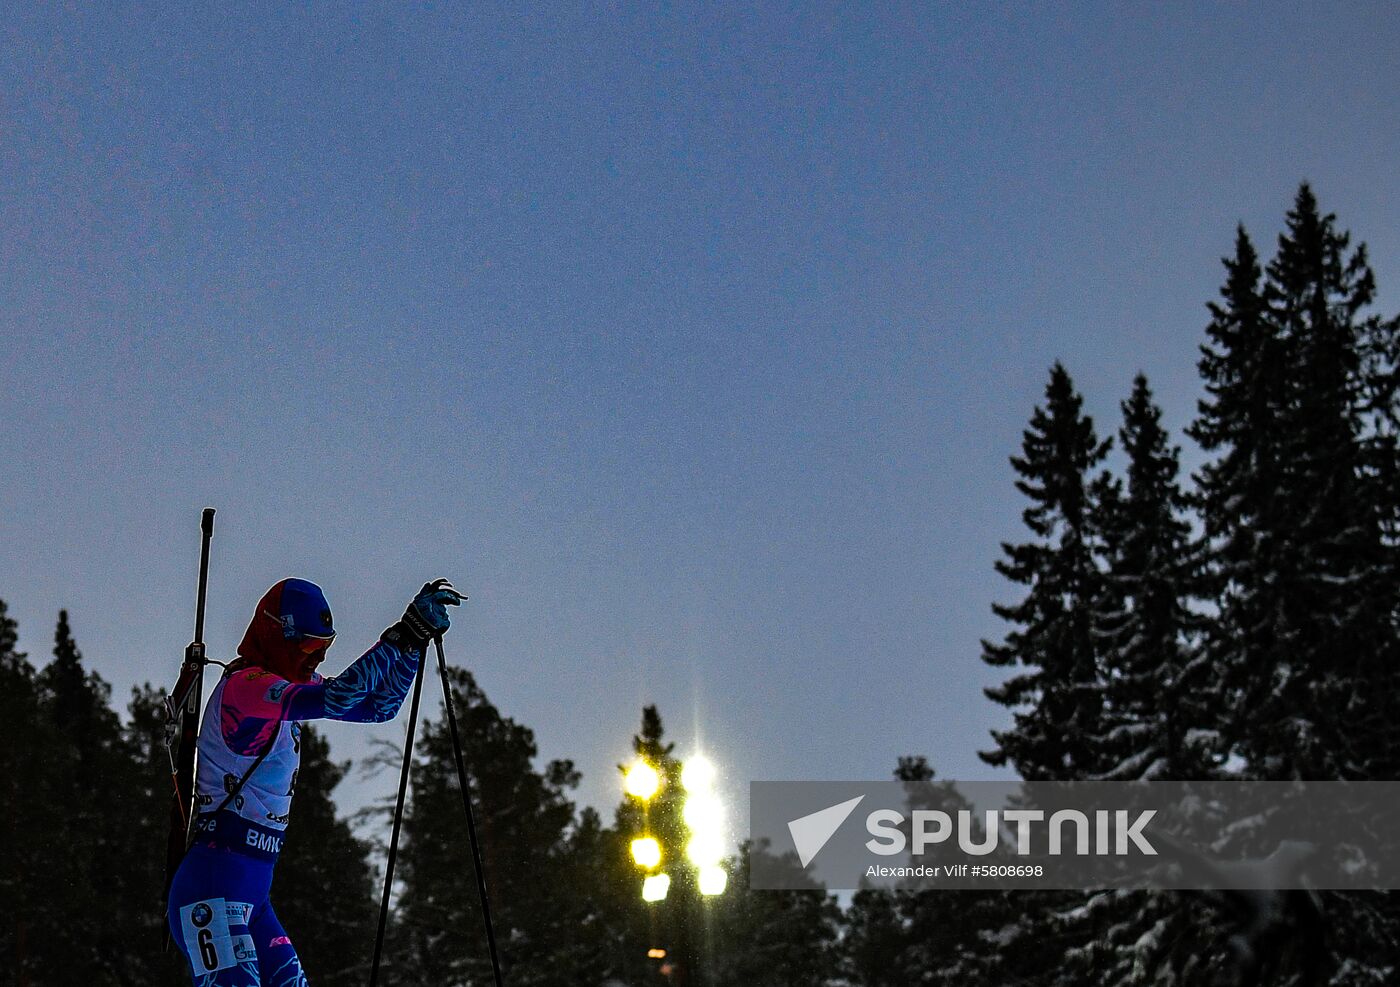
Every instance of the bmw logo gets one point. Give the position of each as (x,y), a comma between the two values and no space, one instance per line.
(202,915)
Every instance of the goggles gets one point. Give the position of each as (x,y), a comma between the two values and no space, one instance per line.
(308,643)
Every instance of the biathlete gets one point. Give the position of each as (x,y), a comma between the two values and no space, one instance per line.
(249,749)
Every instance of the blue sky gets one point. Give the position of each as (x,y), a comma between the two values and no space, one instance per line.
(692,343)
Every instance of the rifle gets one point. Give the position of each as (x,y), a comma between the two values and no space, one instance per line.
(182,709)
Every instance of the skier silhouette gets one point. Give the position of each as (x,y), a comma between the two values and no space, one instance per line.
(249,749)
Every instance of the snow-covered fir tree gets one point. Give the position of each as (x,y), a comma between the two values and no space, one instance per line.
(1158,715)
(1299,531)
(1301,575)
(1240,421)
(1335,580)
(1158,694)
(1344,663)
(1055,693)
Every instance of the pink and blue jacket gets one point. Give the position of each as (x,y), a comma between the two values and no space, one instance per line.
(252,708)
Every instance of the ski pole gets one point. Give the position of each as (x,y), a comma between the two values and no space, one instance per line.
(398,820)
(471,816)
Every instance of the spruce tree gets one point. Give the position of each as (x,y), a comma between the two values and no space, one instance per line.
(88,845)
(1345,666)
(1299,525)
(1056,694)
(30,811)
(1337,607)
(1238,492)
(1159,720)
(1159,715)
(1293,505)
(1059,724)
(1373,707)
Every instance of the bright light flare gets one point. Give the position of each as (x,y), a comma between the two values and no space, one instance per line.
(703,813)
(698,774)
(705,849)
(646,852)
(713,880)
(655,887)
(641,781)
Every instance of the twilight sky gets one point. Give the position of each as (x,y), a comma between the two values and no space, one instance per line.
(691,343)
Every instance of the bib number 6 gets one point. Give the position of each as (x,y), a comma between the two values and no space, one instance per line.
(207,953)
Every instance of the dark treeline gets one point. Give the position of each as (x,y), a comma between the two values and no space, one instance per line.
(1236,623)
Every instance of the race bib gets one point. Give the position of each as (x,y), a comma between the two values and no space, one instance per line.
(208,942)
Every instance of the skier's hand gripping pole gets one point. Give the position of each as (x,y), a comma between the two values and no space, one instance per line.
(426,620)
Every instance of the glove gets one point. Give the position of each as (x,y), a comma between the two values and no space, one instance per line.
(426,617)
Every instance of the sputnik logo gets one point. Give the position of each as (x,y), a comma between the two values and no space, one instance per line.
(812,832)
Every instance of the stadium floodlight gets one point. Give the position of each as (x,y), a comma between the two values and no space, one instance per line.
(705,849)
(646,852)
(654,888)
(698,774)
(713,880)
(703,813)
(642,781)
